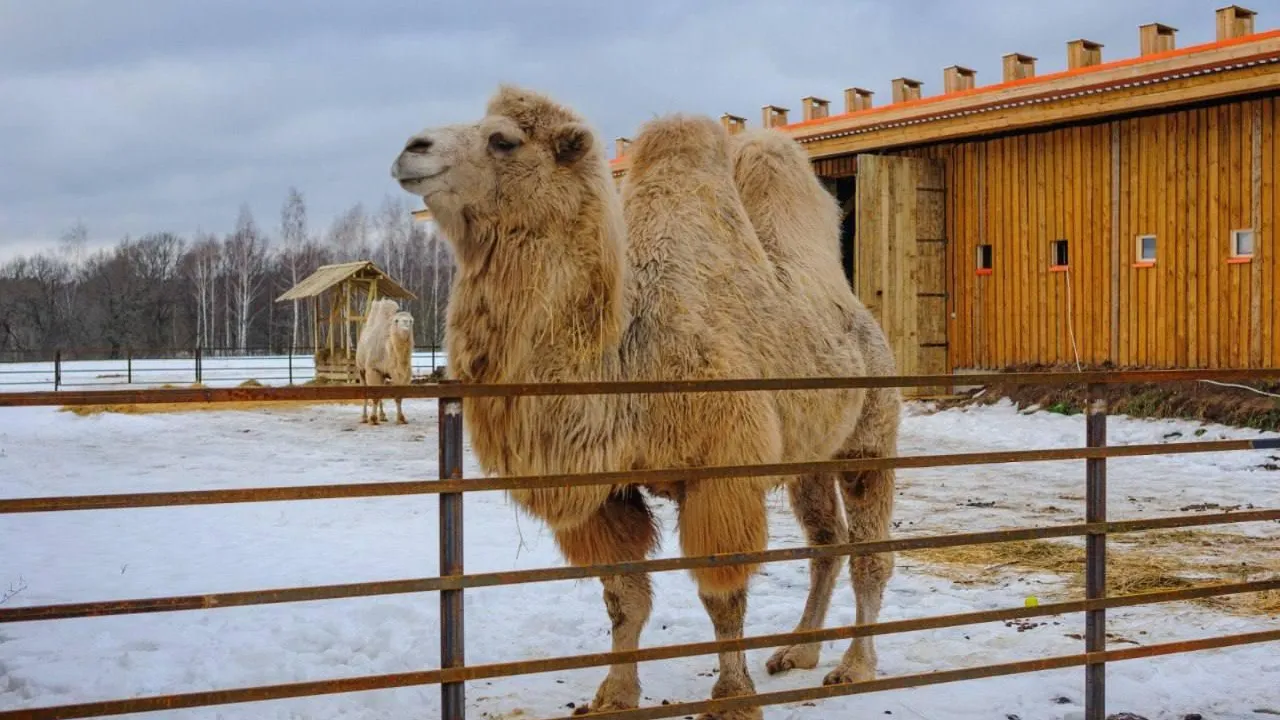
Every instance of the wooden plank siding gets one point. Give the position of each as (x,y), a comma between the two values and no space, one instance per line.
(1191,177)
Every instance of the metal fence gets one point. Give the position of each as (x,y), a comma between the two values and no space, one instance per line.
(453,581)
(83,368)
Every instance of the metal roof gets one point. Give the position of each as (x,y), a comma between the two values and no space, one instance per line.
(328,276)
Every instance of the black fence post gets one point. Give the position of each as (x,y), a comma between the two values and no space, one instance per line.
(199,363)
(129,366)
(1095,621)
(452,645)
(57,369)
(290,363)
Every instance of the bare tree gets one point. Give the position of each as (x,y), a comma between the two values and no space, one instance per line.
(293,235)
(246,255)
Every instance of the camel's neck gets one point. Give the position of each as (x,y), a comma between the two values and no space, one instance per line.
(540,306)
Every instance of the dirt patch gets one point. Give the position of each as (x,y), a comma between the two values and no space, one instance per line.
(1136,563)
(1202,401)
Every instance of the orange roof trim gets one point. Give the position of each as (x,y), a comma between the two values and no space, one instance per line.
(1062,74)
(817,123)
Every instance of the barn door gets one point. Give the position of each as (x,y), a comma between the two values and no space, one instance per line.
(901,259)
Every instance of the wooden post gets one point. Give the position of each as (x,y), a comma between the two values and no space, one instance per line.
(957,78)
(1156,38)
(621,146)
(1018,66)
(452,625)
(905,89)
(856,98)
(815,108)
(1095,573)
(774,116)
(733,123)
(1234,21)
(1083,53)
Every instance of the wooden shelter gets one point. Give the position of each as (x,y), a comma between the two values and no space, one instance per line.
(1111,213)
(340,295)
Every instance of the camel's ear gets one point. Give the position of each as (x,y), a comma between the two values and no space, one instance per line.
(570,142)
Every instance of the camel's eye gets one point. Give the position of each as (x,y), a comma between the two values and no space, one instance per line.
(501,143)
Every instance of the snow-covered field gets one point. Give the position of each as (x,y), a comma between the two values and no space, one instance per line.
(102,555)
(215,372)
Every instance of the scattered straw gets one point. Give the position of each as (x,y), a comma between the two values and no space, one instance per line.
(1141,562)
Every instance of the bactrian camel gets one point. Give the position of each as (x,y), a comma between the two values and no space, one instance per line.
(384,353)
(718,259)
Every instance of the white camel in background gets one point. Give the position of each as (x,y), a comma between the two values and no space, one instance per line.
(384,353)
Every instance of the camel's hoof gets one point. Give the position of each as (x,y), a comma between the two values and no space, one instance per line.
(401,421)
(364,421)
(844,675)
(795,657)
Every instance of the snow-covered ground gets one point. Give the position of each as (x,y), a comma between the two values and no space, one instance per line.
(102,555)
(215,372)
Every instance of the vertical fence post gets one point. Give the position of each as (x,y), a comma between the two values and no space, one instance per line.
(57,369)
(128,366)
(452,647)
(291,363)
(1095,622)
(199,362)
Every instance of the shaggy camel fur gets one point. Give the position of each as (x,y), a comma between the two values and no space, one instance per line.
(384,352)
(553,287)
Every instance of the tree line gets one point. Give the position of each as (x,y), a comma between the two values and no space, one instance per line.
(164,292)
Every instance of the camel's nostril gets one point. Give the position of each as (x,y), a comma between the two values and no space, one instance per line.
(418,145)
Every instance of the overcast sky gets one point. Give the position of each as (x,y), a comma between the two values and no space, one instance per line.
(137,116)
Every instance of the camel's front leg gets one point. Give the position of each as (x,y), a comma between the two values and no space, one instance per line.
(400,419)
(622,530)
(721,517)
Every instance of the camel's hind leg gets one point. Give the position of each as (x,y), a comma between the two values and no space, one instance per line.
(815,504)
(372,378)
(622,530)
(868,502)
(725,517)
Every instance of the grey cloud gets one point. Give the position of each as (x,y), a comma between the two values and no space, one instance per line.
(138,115)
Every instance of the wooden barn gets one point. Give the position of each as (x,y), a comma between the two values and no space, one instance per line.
(339,296)
(1116,213)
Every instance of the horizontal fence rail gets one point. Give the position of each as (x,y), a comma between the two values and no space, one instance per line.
(453,673)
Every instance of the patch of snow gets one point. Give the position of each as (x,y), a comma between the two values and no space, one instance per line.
(104,555)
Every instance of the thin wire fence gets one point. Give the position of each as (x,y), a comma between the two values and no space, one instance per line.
(95,368)
(450,486)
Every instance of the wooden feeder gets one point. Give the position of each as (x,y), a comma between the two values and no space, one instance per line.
(339,296)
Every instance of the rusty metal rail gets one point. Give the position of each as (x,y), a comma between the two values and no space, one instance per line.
(432,487)
(437,391)
(522,577)
(453,581)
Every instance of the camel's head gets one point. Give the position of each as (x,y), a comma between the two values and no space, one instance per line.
(403,322)
(527,163)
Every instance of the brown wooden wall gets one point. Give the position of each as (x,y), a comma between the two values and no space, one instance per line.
(1190,177)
